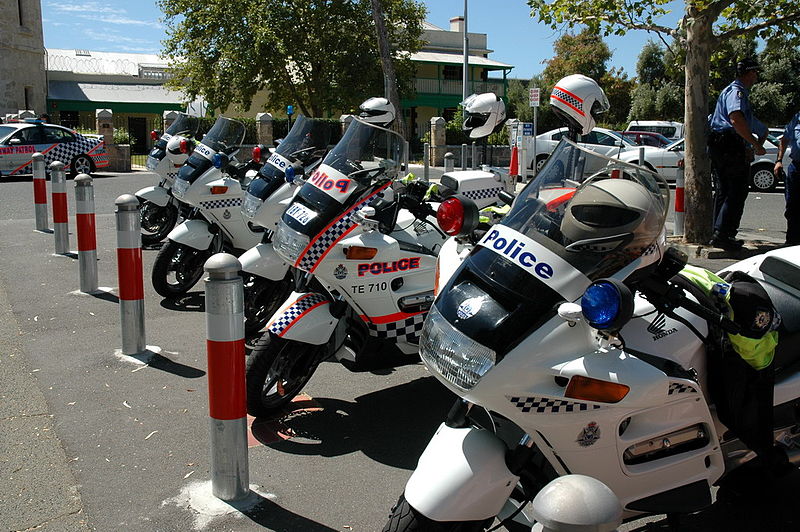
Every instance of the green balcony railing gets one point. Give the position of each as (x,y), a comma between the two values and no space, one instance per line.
(451,86)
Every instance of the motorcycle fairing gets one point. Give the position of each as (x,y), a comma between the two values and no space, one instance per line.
(262,260)
(192,233)
(313,310)
(400,326)
(461,476)
(157,195)
(326,239)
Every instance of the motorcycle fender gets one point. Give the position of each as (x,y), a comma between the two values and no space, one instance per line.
(304,317)
(157,195)
(192,233)
(461,476)
(262,260)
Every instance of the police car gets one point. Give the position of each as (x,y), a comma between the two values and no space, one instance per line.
(20,140)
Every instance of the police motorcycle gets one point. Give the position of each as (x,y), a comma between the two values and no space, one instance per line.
(364,251)
(575,348)
(214,222)
(159,211)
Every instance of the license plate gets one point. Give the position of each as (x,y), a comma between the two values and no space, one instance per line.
(300,213)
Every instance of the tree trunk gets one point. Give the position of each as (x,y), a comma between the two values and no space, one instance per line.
(700,42)
(388,68)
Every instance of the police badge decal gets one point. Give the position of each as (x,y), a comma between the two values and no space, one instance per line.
(589,435)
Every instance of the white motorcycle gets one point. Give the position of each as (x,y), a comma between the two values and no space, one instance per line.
(365,254)
(620,387)
(215,222)
(159,210)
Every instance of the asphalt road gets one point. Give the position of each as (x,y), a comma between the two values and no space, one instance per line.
(94,441)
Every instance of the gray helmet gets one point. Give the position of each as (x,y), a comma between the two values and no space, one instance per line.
(615,216)
(483,114)
(378,111)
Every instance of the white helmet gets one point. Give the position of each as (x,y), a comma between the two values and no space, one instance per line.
(483,114)
(377,111)
(578,100)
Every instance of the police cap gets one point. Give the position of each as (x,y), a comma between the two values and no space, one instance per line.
(746,65)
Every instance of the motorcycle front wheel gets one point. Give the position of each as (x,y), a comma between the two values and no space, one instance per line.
(404,518)
(177,268)
(276,371)
(262,297)
(156,221)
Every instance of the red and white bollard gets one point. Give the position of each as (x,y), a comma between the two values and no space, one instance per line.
(227,400)
(679,199)
(130,272)
(40,193)
(87,236)
(58,189)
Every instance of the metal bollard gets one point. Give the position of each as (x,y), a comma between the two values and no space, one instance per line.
(87,236)
(576,503)
(129,270)
(474,160)
(463,157)
(523,162)
(227,402)
(58,189)
(426,160)
(40,193)
(449,162)
(677,229)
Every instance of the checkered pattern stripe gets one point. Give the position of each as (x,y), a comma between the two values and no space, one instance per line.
(221,204)
(65,151)
(548,405)
(294,311)
(679,387)
(568,98)
(407,330)
(327,238)
(483,193)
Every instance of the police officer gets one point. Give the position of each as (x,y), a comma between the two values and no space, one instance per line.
(791,140)
(734,135)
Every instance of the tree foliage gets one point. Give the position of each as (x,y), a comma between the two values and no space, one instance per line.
(705,27)
(319,55)
(658,94)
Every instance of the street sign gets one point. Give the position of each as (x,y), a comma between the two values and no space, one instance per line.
(527,129)
(533,96)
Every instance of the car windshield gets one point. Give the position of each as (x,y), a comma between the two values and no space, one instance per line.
(184,125)
(6,131)
(624,140)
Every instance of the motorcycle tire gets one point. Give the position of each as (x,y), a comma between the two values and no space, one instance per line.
(262,297)
(177,269)
(156,221)
(276,371)
(404,518)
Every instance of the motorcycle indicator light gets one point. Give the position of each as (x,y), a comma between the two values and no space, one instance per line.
(589,389)
(184,146)
(219,189)
(607,304)
(256,154)
(360,253)
(457,216)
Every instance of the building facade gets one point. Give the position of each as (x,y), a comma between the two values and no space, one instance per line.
(22,72)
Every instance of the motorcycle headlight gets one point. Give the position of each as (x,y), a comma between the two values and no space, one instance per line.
(456,357)
(152,163)
(250,205)
(289,243)
(179,187)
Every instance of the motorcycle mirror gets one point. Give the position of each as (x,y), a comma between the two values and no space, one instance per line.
(363,218)
(570,312)
(607,305)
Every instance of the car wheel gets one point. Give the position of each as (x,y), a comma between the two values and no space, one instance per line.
(540,160)
(762,179)
(82,164)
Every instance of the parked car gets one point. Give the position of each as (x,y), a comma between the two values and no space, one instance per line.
(671,130)
(600,140)
(647,138)
(20,140)
(665,162)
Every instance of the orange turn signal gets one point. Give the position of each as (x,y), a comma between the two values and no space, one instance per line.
(360,253)
(219,189)
(589,389)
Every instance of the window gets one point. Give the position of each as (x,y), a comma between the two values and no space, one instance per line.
(452,72)
(56,134)
(28,97)
(28,136)
(21,12)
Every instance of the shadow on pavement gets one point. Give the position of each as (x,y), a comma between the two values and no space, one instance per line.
(392,426)
(191,302)
(271,516)
(106,296)
(159,361)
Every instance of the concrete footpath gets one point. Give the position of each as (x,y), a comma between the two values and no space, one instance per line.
(93,440)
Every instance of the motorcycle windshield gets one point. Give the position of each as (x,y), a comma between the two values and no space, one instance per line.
(306,142)
(226,135)
(583,217)
(356,170)
(184,125)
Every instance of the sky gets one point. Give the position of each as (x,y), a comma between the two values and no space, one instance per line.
(515,37)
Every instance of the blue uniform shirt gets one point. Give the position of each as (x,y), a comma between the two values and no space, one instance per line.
(734,97)
(792,135)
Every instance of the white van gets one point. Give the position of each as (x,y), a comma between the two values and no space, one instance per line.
(671,130)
